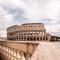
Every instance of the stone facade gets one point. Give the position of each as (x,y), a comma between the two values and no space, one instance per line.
(23,40)
(28,32)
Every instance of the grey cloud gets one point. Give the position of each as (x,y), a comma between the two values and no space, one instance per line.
(17,13)
(45,11)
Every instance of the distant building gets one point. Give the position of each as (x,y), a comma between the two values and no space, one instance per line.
(55,38)
(28,32)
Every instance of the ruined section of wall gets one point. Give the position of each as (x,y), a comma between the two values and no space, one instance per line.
(27,32)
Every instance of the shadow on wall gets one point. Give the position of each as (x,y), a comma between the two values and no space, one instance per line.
(1,57)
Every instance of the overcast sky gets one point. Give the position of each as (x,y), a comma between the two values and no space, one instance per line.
(14,12)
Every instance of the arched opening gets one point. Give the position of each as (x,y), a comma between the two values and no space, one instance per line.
(27,39)
(24,38)
(37,39)
(34,39)
(31,39)
(40,39)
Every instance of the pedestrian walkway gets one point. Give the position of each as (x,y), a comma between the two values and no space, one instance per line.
(47,51)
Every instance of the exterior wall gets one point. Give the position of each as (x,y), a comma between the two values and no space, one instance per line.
(27,32)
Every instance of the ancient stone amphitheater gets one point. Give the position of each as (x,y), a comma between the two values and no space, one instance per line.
(27,32)
(22,41)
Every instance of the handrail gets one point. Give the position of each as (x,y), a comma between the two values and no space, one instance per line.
(32,42)
(12,54)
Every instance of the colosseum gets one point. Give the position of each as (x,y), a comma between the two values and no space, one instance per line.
(23,40)
(28,32)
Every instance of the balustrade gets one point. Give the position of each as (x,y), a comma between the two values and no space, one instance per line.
(11,53)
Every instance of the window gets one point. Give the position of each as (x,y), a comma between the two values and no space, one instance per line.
(24,38)
(40,38)
(22,34)
(21,38)
(30,33)
(37,39)
(37,33)
(25,34)
(34,39)
(46,38)
(43,38)
(28,39)
(31,39)
(19,34)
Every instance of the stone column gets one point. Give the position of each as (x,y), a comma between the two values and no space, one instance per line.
(14,52)
(45,38)
(22,56)
(18,55)
(12,58)
(39,38)
(23,38)
(28,57)
(42,38)
(15,58)
(26,38)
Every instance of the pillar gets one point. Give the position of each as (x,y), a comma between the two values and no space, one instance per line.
(28,57)
(14,52)
(22,56)
(11,51)
(45,38)
(18,54)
